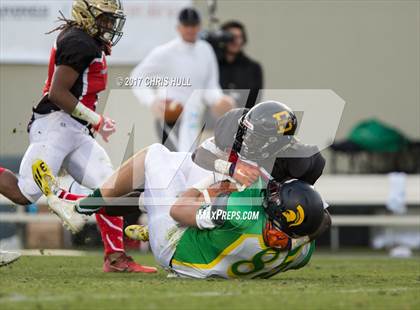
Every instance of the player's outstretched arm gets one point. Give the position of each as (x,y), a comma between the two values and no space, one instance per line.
(9,187)
(185,209)
(60,93)
(196,205)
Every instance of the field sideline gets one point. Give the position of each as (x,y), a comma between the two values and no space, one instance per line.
(330,281)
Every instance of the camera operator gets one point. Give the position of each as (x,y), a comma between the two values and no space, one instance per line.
(237,70)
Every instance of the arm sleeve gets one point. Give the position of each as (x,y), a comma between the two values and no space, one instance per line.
(75,53)
(307,169)
(151,66)
(212,91)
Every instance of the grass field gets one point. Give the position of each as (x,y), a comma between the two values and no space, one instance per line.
(328,282)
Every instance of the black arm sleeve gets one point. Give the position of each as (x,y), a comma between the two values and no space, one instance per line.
(302,161)
(307,169)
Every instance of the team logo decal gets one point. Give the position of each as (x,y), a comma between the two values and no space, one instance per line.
(295,218)
(283,121)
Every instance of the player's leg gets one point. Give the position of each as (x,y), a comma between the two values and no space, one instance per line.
(9,187)
(90,166)
(132,173)
(161,172)
(122,182)
(49,141)
(164,180)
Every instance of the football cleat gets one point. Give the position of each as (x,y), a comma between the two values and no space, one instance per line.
(8,257)
(65,210)
(120,262)
(137,232)
(44,178)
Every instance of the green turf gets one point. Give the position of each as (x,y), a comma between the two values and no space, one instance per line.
(328,282)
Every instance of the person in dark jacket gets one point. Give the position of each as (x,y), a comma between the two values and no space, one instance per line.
(238,71)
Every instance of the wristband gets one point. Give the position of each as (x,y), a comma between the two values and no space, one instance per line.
(84,113)
(206,196)
(222,166)
(203,218)
(204,183)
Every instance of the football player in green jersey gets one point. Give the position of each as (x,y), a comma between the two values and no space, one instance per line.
(199,229)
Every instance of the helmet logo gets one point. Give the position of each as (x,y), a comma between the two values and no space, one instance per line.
(283,121)
(295,218)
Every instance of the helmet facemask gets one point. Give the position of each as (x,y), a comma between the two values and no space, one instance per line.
(109,25)
(293,207)
(273,205)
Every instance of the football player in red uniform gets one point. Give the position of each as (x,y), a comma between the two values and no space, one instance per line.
(64,121)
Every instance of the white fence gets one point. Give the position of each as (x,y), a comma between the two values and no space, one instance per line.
(337,190)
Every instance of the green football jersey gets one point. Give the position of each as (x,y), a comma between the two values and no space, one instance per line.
(237,248)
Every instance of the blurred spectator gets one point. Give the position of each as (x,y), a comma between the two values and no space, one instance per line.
(192,63)
(237,70)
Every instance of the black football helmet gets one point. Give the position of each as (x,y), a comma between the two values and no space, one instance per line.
(294,207)
(266,130)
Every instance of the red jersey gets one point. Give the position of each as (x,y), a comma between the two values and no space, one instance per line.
(85,54)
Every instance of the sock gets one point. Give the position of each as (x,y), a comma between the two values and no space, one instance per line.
(111,228)
(91,204)
(63,194)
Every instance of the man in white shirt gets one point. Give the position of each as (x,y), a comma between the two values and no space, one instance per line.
(181,72)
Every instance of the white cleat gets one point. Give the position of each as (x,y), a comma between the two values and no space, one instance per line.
(8,257)
(66,211)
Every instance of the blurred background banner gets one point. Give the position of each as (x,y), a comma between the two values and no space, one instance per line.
(24,23)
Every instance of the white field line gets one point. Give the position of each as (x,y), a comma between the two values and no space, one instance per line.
(373,290)
(53,252)
(17,298)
